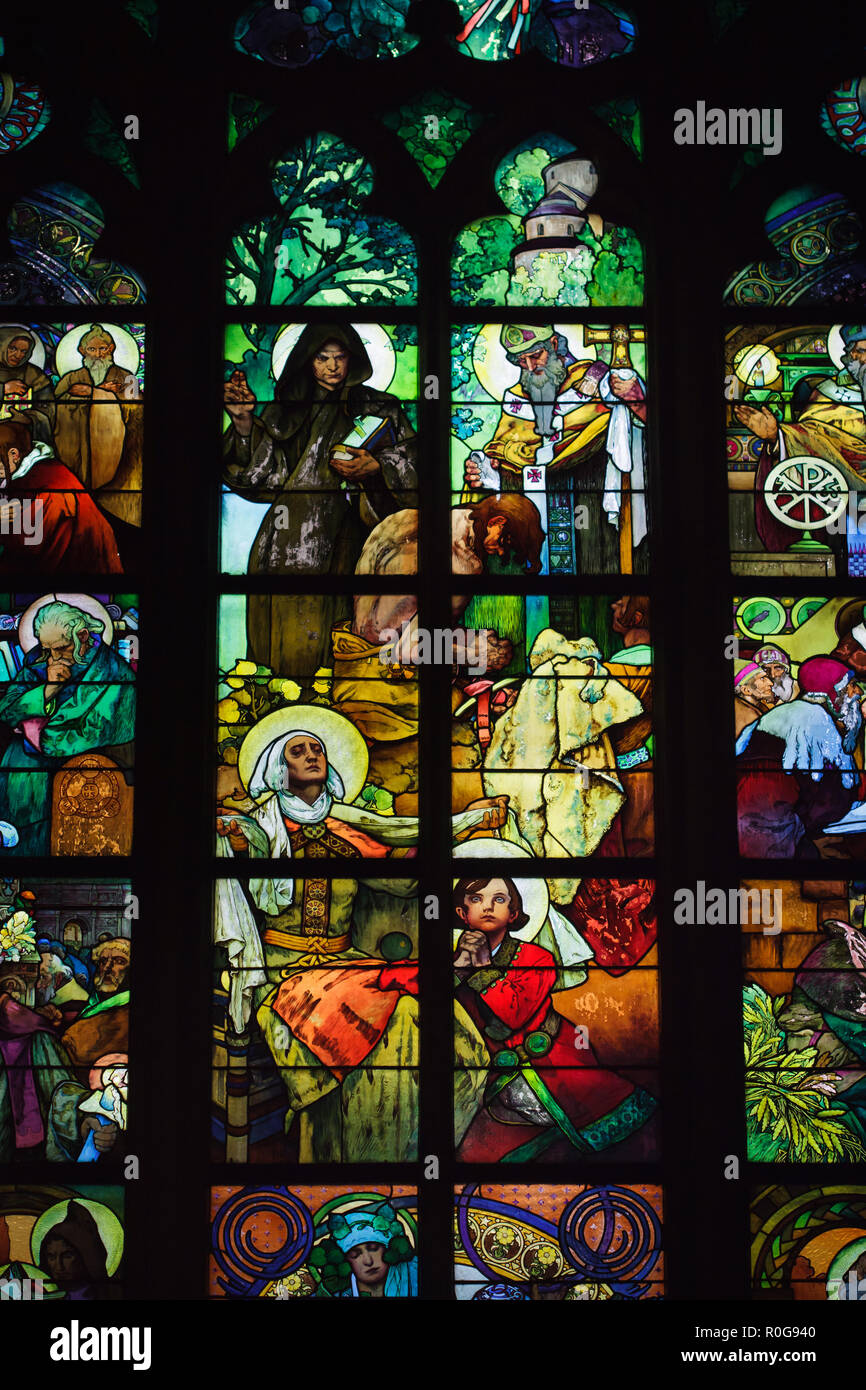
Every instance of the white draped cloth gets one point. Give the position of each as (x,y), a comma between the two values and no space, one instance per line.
(268,838)
(625,458)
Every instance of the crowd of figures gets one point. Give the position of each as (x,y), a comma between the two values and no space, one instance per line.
(799,739)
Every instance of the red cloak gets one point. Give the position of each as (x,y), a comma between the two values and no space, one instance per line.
(75,534)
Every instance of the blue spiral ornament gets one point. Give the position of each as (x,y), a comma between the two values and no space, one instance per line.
(628,1243)
(247,1270)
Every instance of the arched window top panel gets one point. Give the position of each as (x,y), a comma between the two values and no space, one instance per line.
(319,246)
(54,233)
(573,36)
(551,247)
(816,257)
(293,37)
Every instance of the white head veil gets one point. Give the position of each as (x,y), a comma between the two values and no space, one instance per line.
(271,774)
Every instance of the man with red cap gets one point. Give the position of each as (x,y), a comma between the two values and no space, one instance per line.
(796,770)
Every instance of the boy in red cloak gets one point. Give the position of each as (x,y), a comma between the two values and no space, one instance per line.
(546,1095)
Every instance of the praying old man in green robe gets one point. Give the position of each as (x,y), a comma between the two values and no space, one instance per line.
(73,694)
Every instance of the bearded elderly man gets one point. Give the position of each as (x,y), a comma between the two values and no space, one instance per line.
(832,427)
(73,694)
(570,424)
(98,429)
(100,1032)
(102,1025)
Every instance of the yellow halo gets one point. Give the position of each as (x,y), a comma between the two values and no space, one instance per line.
(67,358)
(87,604)
(347,751)
(107,1224)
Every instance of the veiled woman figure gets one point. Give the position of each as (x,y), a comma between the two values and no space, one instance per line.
(333,968)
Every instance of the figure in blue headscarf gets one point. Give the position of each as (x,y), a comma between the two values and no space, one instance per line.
(369,1255)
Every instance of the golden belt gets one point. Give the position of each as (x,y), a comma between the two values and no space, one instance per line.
(313,942)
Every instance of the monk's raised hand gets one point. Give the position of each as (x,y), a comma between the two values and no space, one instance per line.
(237,396)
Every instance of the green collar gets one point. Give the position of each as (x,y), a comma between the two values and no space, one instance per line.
(641,655)
(98,1006)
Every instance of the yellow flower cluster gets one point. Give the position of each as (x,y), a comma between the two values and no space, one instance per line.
(18,936)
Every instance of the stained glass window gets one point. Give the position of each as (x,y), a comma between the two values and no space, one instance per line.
(324,973)
(321,247)
(276,371)
(843,116)
(377,357)
(67,705)
(72,412)
(552,246)
(537,1080)
(549,426)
